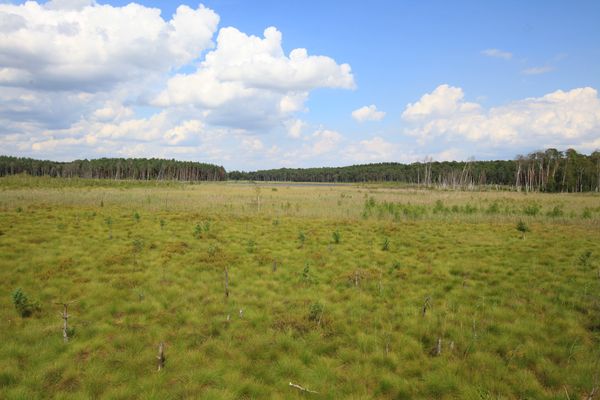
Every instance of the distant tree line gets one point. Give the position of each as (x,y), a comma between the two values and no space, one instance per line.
(546,171)
(448,173)
(115,168)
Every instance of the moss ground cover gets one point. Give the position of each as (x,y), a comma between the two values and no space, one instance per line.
(353,292)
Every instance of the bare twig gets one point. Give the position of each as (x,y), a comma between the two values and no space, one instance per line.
(302,389)
(592,393)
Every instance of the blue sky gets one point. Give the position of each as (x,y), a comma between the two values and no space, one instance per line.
(447,80)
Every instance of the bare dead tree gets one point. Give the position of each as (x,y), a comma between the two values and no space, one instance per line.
(65,317)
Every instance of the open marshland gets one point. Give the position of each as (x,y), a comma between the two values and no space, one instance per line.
(350,291)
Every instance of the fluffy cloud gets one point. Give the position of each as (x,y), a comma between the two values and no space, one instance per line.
(560,118)
(497,54)
(368,113)
(252,144)
(245,69)
(68,4)
(444,100)
(160,135)
(326,141)
(295,127)
(183,133)
(373,150)
(261,63)
(78,45)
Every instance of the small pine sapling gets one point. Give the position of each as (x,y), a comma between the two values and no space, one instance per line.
(315,313)
(198,231)
(585,258)
(137,245)
(109,223)
(386,244)
(336,237)
(22,304)
(306,274)
(250,247)
(301,238)
(523,228)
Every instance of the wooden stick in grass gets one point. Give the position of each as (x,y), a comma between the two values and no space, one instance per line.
(301,388)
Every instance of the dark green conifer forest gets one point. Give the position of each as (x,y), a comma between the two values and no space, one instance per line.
(545,171)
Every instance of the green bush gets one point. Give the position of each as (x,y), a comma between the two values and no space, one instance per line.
(439,207)
(587,213)
(532,209)
(494,208)
(556,212)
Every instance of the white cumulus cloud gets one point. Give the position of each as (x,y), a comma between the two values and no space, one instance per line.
(245,69)
(295,127)
(443,100)
(371,150)
(78,45)
(560,118)
(368,113)
(325,141)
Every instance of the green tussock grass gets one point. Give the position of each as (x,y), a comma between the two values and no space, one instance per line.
(360,316)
